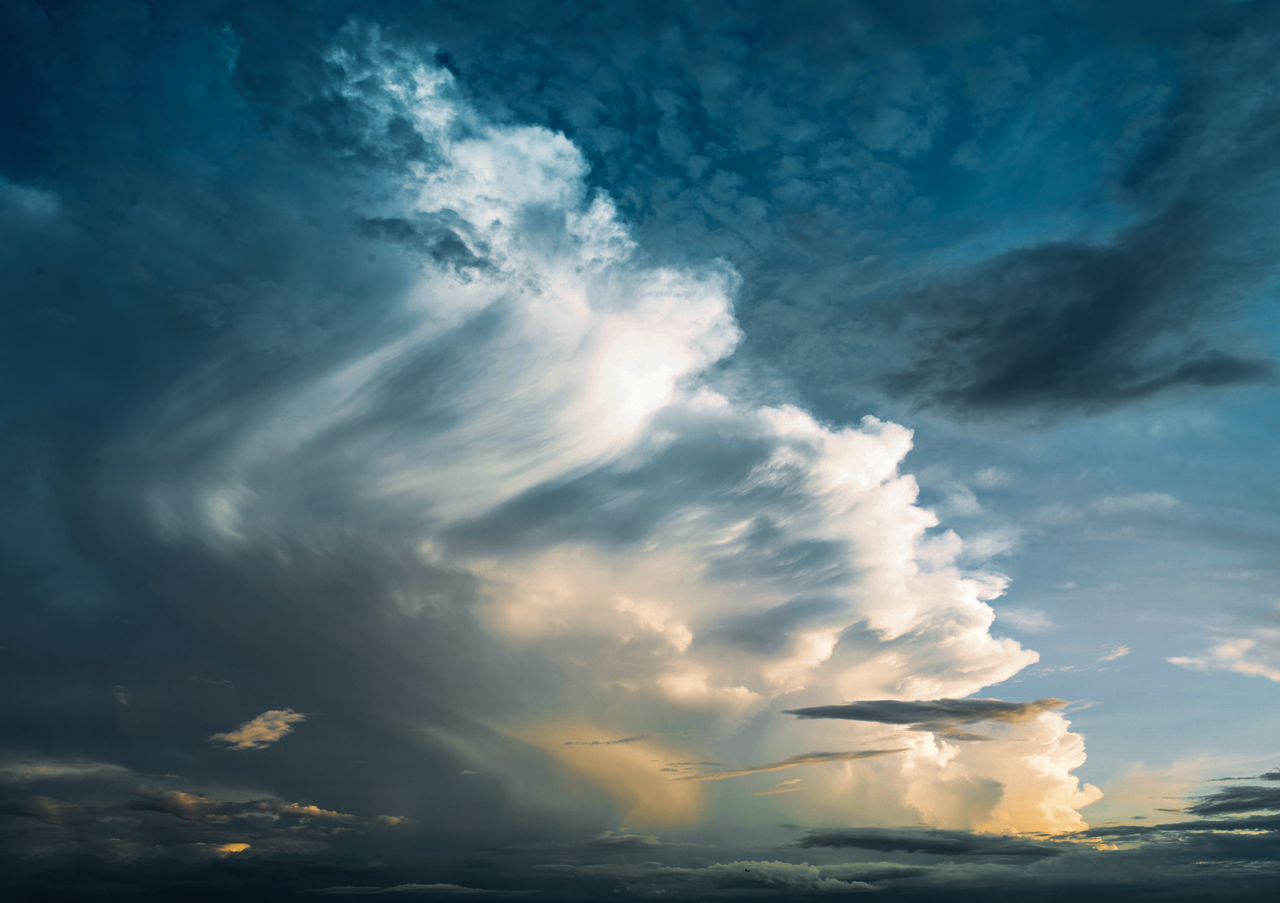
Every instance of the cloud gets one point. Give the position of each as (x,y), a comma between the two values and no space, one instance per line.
(940,716)
(635,739)
(1137,502)
(1234,800)
(1091,340)
(740,876)
(1113,653)
(936,842)
(53,769)
(1031,620)
(817,758)
(262,731)
(540,455)
(51,811)
(1267,823)
(197,807)
(424,409)
(1257,655)
(441,889)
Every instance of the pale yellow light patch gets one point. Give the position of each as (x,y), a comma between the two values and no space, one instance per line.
(227,848)
(627,771)
(1139,791)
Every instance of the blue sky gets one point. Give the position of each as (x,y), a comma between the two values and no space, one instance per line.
(583,449)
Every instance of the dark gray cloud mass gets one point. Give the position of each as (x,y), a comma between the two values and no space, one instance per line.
(940,716)
(1076,326)
(1232,800)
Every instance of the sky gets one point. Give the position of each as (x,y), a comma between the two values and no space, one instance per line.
(689,451)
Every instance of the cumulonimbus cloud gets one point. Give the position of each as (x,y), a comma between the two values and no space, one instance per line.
(545,446)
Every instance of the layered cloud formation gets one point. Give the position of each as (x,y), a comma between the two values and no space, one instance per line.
(540,428)
(533,463)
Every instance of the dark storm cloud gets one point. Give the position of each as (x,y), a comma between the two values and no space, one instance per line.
(1232,800)
(937,842)
(1251,823)
(1076,327)
(940,716)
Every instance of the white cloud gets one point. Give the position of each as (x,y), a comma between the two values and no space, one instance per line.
(1031,620)
(992,477)
(992,542)
(1113,653)
(1257,655)
(261,732)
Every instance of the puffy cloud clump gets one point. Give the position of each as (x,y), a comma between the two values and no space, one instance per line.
(262,731)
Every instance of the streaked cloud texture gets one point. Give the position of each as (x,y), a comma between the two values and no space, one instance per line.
(566,409)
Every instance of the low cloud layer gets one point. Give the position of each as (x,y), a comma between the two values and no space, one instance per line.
(1235,800)
(940,843)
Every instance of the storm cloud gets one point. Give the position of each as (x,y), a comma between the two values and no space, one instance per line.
(531,397)
(940,716)
(1233,800)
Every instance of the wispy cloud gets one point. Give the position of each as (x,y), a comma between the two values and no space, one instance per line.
(1030,620)
(1135,502)
(1113,653)
(636,739)
(816,758)
(262,731)
(54,769)
(1256,655)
